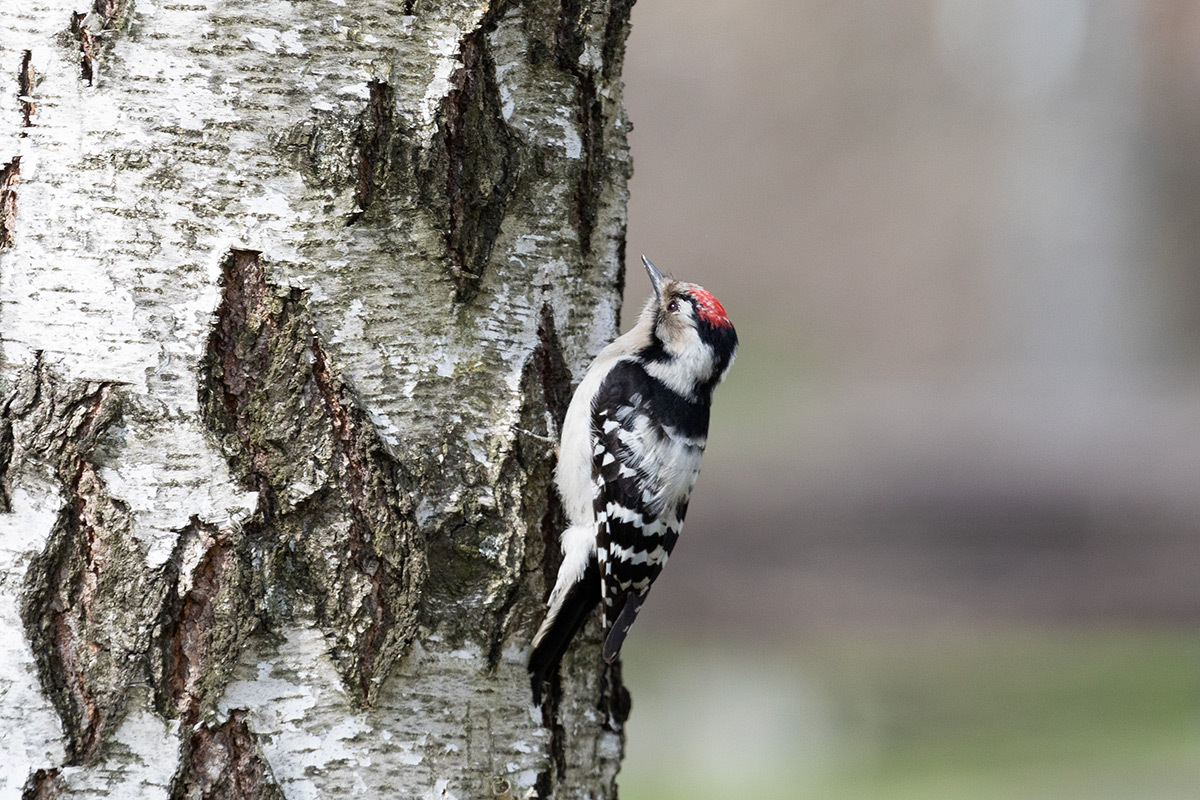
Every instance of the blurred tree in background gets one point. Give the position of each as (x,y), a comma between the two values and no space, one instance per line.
(958,239)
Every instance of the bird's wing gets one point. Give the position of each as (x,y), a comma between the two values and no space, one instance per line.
(635,534)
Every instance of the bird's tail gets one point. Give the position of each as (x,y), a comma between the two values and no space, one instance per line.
(630,605)
(567,614)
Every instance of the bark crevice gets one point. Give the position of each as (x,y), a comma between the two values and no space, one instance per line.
(331,499)
(43,784)
(571,42)
(207,617)
(25,84)
(10,176)
(88,597)
(475,160)
(224,762)
(382,159)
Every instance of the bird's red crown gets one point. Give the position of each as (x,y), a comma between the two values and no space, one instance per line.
(710,310)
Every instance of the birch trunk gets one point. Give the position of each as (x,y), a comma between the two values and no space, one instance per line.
(281,286)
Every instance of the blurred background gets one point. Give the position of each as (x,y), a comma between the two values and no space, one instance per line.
(947,539)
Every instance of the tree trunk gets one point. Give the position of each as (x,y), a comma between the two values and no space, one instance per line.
(291,294)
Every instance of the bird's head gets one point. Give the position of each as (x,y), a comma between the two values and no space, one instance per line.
(688,326)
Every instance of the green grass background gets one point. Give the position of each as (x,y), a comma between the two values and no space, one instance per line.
(980,713)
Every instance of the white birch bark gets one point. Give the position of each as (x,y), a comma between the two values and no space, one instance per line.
(281,284)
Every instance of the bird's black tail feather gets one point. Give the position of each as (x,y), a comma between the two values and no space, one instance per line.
(562,622)
(631,605)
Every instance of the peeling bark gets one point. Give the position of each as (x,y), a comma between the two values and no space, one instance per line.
(286,287)
(88,27)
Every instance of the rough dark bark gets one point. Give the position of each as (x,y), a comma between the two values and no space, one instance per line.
(285,290)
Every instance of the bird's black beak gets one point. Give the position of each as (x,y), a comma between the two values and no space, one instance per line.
(656,277)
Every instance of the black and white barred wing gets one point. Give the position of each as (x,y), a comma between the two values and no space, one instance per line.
(644,471)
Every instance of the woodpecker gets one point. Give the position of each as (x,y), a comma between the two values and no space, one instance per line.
(632,441)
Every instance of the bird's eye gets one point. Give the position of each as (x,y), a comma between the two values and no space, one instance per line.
(672,306)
